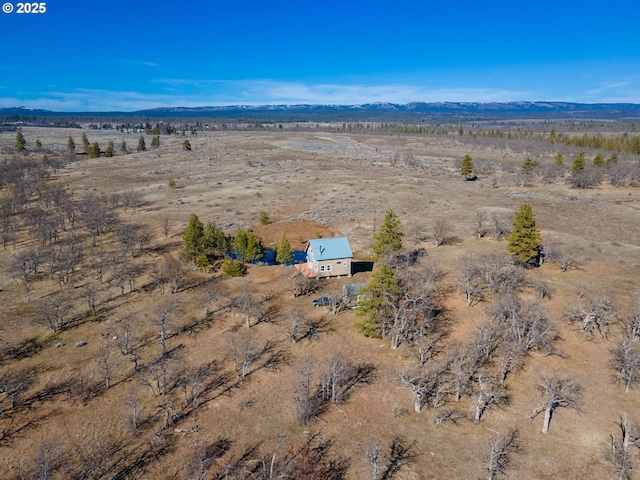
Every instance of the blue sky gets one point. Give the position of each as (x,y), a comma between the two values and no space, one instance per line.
(126,55)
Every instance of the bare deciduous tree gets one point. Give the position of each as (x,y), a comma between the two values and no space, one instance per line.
(161,317)
(24,269)
(247,305)
(464,363)
(96,216)
(372,457)
(91,291)
(106,363)
(131,199)
(564,257)
(426,340)
(53,312)
(301,285)
(595,316)
(542,288)
(70,258)
(494,273)
(501,448)
(625,360)
(193,383)
(174,272)
(306,400)
(245,351)
(159,275)
(127,340)
(441,231)
(296,324)
(619,453)
(485,340)
(336,378)
(559,391)
(525,325)
(489,391)
(427,385)
(630,322)
(479,223)
(133,403)
(500,226)
(399,455)
(471,281)
(12,385)
(166,226)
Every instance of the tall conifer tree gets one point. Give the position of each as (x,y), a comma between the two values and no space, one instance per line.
(389,238)
(284,252)
(467,167)
(525,242)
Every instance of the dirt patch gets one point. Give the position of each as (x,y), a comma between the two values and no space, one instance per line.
(298,232)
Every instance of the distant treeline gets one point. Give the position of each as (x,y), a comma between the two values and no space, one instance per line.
(620,143)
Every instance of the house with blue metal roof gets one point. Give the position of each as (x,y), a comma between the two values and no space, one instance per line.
(329,257)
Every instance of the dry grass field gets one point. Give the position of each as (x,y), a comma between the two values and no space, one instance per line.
(65,423)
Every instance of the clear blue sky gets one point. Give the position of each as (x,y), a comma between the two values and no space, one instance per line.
(127,55)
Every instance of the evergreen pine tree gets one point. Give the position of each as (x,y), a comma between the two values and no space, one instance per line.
(71,145)
(215,242)
(109,151)
(579,163)
(123,147)
(559,162)
(192,239)
(467,167)
(284,252)
(525,242)
(528,165)
(233,268)
(94,150)
(247,246)
(240,244)
(85,142)
(254,248)
(20,142)
(186,146)
(389,238)
(142,146)
(155,141)
(377,296)
(598,160)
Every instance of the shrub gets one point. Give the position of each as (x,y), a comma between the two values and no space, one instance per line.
(264,218)
(588,178)
(171,183)
(233,268)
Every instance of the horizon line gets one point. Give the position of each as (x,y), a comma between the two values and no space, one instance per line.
(328,105)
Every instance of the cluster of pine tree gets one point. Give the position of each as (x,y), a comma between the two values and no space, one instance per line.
(203,245)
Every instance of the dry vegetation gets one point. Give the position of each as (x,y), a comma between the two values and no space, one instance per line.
(126,363)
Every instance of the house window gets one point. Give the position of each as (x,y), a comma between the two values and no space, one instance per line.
(322,268)
(328,268)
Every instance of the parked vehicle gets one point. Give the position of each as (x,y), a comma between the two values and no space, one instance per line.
(323,301)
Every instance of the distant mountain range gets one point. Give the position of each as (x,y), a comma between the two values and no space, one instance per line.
(369,111)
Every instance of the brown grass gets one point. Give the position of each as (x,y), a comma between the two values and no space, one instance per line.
(311,184)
